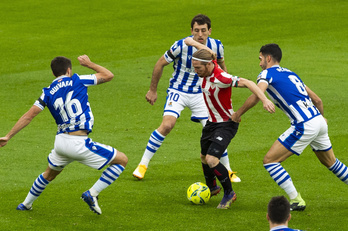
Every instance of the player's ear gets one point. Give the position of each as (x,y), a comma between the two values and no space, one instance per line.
(267,217)
(209,31)
(289,217)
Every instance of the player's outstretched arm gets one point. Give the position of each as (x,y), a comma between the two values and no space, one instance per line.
(103,75)
(151,95)
(21,123)
(190,42)
(259,92)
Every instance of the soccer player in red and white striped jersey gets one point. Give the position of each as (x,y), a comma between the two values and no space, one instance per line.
(220,129)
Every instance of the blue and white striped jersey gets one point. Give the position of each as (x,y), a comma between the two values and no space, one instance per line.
(283,228)
(184,77)
(288,92)
(67,100)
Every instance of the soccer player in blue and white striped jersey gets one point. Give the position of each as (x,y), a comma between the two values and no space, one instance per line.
(67,100)
(308,125)
(184,90)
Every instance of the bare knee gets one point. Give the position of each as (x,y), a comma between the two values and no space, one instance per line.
(120,158)
(212,161)
(50,174)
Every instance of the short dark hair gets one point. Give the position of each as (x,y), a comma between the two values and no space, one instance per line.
(60,65)
(201,19)
(278,210)
(273,50)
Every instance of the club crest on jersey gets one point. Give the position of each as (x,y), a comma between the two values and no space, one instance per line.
(170,104)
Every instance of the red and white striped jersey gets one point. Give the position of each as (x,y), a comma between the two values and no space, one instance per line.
(217,90)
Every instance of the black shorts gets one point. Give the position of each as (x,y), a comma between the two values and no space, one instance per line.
(217,136)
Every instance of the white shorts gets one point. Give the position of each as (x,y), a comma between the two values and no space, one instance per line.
(313,132)
(177,101)
(68,148)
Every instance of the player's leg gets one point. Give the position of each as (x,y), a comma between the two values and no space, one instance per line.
(175,103)
(218,136)
(200,113)
(221,173)
(97,155)
(277,154)
(328,159)
(322,147)
(155,141)
(38,187)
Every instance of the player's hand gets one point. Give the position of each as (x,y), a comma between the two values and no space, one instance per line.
(269,106)
(236,118)
(151,97)
(189,41)
(3,141)
(84,60)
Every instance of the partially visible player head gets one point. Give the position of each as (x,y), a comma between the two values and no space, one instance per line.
(201,28)
(60,65)
(202,62)
(278,211)
(270,54)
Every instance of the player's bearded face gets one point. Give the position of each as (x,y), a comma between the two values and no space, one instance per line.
(200,69)
(200,33)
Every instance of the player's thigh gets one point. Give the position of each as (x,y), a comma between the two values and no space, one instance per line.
(96,155)
(175,103)
(298,137)
(198,107)
(321,142)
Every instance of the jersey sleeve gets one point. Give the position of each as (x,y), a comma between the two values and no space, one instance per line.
(263,77)
(220,51)
(174,51)
(40,102)
(87,80)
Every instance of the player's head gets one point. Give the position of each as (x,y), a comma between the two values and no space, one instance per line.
(60,65)
(201,28)
(270,54)
(278,211)
(202,62)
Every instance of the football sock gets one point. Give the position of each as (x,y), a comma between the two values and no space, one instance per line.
(108,176)
(225,160)
(38,186)
(282,178)
(155,142)
(210,178)
(221,173)
(340,170)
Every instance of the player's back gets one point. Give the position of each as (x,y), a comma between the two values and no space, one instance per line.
(67,100)
(288,92)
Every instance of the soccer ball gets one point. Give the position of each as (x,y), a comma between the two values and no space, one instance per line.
(198,193)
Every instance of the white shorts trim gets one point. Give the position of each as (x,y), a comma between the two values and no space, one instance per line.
(68,148)
(176,102)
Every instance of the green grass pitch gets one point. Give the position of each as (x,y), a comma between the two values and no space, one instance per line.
(128,37)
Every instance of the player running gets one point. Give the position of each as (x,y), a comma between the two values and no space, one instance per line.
(308,126)
(67,100)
